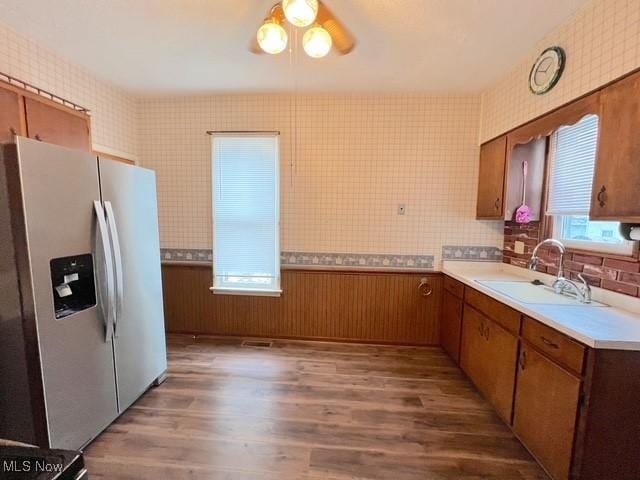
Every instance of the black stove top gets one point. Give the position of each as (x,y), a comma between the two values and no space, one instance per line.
(26,463)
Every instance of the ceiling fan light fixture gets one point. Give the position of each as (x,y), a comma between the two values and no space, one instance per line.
(300,13)
(317,42)
(271,37)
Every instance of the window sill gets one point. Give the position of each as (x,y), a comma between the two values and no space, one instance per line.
(626,250)
(255,292)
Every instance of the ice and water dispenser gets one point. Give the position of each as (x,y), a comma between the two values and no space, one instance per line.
(73,284)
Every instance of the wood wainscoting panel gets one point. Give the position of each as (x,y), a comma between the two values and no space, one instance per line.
(336,305)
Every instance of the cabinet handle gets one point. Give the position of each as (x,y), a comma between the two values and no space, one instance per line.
(37,137)
(12,130)
(425,288)
(483,330)
(522,361)
(602,196)
(496,204)
(549,343)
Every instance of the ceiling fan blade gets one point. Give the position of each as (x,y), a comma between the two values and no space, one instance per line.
(277,13)
(343,41)
(254,47)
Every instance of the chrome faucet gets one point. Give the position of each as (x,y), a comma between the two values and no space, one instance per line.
(533,263)
(562,285)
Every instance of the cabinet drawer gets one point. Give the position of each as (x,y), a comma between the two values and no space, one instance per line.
(556,345)
(454,286)
(496,311)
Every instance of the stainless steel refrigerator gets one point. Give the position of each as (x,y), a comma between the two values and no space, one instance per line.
(81,312)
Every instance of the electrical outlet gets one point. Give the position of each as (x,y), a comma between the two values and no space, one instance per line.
(518,247)
(402,209)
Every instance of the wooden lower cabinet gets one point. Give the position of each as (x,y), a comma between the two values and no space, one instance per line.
(488,356)
(546,407)
(575,408)
(451,325)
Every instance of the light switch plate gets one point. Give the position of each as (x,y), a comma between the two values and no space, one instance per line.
(518,247)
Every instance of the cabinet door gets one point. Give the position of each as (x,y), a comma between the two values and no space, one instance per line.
(9,115)
(55,125)
(488,355)
(491,179)
(617,177)
(546,406)
(451,325)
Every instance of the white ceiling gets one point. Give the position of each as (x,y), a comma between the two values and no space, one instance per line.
(197,46)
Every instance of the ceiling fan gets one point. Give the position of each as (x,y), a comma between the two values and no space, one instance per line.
(325,30)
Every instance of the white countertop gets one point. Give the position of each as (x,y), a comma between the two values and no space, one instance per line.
(616,326)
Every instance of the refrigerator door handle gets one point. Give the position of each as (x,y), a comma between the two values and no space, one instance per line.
(117,256)
(108,310)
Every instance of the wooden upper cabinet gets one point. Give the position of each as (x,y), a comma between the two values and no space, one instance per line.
(9,115)
(55,125)
(545,412)
(491,179)
(488,355)
(617,177)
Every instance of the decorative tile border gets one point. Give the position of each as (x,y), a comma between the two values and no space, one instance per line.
(358,260)
(471,253)
(190,255)
(314,259)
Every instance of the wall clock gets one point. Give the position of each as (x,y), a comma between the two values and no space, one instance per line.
(546,70)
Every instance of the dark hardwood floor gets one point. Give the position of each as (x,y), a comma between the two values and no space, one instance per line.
(309,410)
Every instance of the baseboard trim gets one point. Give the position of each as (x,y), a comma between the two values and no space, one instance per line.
(354,341)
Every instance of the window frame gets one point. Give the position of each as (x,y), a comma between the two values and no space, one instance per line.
(554,223)
(246,290)
(626,249)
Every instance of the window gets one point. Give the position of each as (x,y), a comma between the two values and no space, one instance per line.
(246,213)
(573,156)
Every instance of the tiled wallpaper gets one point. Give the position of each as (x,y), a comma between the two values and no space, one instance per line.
(113,112)
(347,163)
(602,43)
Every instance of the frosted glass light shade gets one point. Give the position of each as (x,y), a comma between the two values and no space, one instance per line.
(300,13)
(317,42)
(272,38)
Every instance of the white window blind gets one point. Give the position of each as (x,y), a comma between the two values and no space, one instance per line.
(246,213)
(573,156)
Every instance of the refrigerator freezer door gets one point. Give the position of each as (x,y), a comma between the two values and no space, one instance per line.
(59,187)
(16,418)
(129,196)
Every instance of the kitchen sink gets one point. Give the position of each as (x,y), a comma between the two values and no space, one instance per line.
(526,292)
